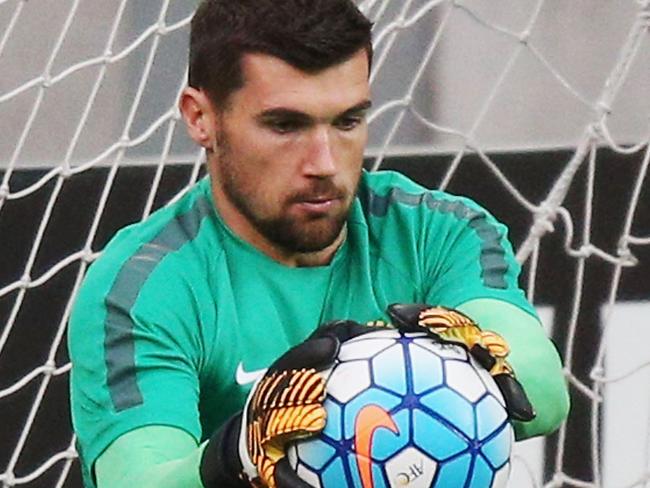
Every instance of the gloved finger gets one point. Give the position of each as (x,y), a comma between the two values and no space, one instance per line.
(285,477)
(343,330)
(316,353)
(517,403)
(483,356)
(406,316)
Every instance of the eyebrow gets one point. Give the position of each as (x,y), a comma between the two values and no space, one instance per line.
(297,115)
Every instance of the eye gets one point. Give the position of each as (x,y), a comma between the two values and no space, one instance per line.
(348,122)
(284,126)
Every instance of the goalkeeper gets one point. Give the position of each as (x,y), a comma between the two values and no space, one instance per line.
(183,311)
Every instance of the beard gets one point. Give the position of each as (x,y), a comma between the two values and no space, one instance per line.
(291,231)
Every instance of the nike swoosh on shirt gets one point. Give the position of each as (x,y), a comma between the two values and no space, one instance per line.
(244,377)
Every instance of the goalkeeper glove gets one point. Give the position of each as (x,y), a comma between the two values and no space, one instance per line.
(488,348)
(285,405)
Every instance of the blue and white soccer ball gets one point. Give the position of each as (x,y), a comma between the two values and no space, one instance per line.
(405,411)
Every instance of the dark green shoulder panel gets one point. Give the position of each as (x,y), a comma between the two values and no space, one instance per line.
(119,342)
(382,191)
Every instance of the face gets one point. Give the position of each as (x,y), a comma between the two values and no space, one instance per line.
(288,152)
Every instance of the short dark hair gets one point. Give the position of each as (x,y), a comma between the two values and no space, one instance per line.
(310,35)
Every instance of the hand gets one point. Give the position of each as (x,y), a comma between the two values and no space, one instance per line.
(488,348)
(285,405)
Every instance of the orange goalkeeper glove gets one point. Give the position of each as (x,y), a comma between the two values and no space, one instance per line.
(488,348)
(285,405)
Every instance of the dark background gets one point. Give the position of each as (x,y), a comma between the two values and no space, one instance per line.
(532,173)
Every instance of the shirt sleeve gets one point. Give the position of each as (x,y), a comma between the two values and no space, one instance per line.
(151,457)
(135,360)
(466,255)
(534,359)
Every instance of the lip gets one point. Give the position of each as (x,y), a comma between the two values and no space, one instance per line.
(318,205)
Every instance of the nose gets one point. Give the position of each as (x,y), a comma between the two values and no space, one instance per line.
(320,161)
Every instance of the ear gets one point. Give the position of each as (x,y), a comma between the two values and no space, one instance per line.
(199,116)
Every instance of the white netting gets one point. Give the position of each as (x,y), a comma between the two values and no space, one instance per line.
(87,100)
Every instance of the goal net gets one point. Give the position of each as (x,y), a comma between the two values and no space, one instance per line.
(537,109)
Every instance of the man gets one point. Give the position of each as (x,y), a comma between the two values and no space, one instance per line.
(181,311)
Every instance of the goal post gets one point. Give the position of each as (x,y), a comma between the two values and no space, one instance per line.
(537,109)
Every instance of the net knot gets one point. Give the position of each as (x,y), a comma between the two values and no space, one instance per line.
(545,216)
(598,130)
(8,479)
(524,37)
(594,132)
(49,368)
(401,24)
(604,108)
(585,251)
(87,256)
(623,251)
(557,480)
(24,281)
(47,81)
(597,374)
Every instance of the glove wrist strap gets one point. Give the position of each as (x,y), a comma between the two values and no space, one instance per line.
(220,466)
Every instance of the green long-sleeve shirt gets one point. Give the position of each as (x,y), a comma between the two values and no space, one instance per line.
(178,307)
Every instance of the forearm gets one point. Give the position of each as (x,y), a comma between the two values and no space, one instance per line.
(534,359)
(151,457)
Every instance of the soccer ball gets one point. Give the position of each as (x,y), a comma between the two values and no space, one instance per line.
(406,411)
